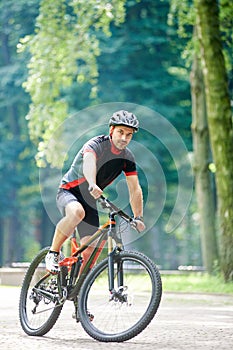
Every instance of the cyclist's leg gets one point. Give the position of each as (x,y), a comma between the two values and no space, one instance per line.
(74,214)
(86,229)
(87,252)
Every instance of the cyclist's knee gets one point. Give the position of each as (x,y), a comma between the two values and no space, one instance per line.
(75,212)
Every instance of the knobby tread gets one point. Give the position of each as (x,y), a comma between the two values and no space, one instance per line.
(147,317)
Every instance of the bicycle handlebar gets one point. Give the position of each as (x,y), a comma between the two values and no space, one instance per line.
(106,203)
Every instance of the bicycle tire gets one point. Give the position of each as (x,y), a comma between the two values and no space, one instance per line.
(38,321)
(107,320)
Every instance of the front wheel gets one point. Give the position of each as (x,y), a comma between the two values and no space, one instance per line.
(40,298)
(121,315)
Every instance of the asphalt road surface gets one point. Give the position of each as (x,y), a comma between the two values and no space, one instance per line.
(183,321)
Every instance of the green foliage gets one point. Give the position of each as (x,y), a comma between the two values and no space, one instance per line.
(225,18)
(148,69)
(18,175)
(64,48)
(16,152)
(182,16)
(31,248)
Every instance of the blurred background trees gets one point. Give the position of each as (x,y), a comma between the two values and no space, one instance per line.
(75,62)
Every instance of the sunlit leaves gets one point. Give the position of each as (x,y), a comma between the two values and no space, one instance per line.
(64,48)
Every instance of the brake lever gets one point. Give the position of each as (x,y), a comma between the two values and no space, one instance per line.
(134,225)
(104,202)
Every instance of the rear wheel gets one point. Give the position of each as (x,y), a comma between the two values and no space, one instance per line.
(126,312)
(40,298)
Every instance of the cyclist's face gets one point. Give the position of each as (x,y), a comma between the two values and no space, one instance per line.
(121,136)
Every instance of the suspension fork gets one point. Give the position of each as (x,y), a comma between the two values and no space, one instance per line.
(112,253)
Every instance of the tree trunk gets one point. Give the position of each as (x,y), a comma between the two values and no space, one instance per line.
(204,190)
(220,122)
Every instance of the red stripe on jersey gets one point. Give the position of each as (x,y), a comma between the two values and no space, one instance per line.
(89,150)
(72,184)
(131,173)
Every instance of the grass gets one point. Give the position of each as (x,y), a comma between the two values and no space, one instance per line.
(196,283)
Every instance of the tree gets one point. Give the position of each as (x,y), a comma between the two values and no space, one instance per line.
(219,120)
(188,17)
(202,159)
(204,189)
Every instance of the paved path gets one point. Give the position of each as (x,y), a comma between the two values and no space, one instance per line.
(183,321)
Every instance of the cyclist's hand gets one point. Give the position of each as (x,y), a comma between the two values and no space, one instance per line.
(95,191)
(140,225)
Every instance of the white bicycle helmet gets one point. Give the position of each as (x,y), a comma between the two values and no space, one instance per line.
(124,118)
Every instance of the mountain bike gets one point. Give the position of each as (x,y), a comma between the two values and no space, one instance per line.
(114,299)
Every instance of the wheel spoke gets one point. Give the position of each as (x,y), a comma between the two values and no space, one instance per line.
(130,307)
(41,298)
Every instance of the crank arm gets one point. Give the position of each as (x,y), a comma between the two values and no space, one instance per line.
(45,294)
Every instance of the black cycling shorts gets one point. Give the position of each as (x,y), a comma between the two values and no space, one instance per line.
(90,223)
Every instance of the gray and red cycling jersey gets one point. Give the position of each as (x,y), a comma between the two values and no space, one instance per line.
(110,163)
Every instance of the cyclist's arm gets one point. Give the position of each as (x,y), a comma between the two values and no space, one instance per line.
(136,199)
(89,171)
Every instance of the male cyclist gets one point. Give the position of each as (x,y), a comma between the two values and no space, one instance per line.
(95,166)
